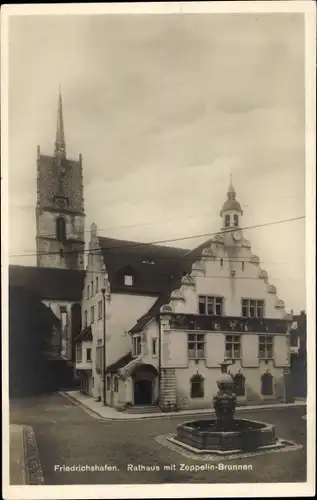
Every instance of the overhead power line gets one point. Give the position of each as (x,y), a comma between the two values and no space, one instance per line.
(158,242)
(149,223)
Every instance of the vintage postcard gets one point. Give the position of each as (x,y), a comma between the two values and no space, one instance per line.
(158,249)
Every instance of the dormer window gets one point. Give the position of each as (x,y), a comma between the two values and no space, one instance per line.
(128,280)
(126,276)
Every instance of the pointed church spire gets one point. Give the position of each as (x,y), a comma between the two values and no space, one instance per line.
(60,146)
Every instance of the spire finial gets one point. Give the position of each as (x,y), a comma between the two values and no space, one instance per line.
(60,146)
(231,190)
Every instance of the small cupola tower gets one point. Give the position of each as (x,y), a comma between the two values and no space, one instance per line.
(231,211)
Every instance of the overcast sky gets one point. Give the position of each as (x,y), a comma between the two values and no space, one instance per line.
(162,109)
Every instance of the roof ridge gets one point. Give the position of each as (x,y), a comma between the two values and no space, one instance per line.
(142,243)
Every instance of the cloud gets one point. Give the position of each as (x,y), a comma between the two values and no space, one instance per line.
(162,108)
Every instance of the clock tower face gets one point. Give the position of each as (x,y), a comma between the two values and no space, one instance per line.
(237,236)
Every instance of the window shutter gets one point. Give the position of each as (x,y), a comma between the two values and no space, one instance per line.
(215,349)
(250,350)
(281,350)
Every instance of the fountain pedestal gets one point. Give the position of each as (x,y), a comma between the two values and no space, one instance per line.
(225,434)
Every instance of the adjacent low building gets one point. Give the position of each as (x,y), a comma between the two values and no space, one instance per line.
(159,321)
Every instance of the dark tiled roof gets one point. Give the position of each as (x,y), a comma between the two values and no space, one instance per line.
(121,363)
(184,266)
(152,266)
(49,283)
(85,334)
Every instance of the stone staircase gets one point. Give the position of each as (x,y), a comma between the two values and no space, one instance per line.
(168,387)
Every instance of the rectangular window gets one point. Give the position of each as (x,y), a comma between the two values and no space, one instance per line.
(265,346)
(88,354)
(100,309)
(97,285)
(233,347)
(196,345)
(63,317)
(211,306)
(92,314)
(136,345)
(154,342)
(88,291)
(108,383)
(99,358)
(115,384)
(85,319)
(128,280)
(251,308)
(78,353)
(92,288)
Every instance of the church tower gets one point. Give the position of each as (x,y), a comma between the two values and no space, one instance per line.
(60,205)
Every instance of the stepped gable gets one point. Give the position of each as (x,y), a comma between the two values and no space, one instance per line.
(152,265)
(48,283)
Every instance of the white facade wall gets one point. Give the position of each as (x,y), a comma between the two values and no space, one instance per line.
(122,312)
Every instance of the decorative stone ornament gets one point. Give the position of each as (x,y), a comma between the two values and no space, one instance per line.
(177,295)
(255,259)
(279,304)
(166,309)
(218,238)
(271,288)
(245,244)
(207,252)
(263,275)
(188,280)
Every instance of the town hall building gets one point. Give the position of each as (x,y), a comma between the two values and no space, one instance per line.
(159,322)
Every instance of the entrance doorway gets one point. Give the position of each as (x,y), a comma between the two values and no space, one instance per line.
(143,392)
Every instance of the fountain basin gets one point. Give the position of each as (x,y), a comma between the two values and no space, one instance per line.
(241,435)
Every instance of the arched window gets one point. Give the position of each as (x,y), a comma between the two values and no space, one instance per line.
(197,386)
(227,220)
(267,384)
(236,220)
(239,384)
(60,229)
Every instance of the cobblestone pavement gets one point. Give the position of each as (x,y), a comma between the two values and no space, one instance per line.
(67,436)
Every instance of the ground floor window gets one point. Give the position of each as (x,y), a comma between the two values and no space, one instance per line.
(239,384)
(233,347)
(108,383)
(197,387)
(267,385)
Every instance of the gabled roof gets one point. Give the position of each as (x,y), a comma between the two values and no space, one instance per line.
(121,363)
(153,266)
(49,283)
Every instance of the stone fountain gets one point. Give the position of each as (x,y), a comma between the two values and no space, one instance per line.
(225,434)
